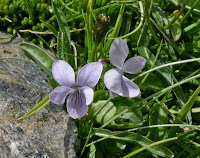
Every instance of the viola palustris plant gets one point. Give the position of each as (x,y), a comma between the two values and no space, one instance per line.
(80,91)
(114,79)
(163,32)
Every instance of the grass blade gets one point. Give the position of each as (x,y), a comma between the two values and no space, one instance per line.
(62,22)
(184,111)
(139,139)
(36,108)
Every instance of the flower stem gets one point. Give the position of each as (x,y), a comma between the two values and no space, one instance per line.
(147,15)
(176,16)
(87,140)
(189,11)
(94,49)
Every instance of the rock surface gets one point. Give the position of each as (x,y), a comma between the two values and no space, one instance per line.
(49,133)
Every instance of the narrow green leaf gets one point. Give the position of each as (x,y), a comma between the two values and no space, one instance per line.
(38,55)
(62,46)
(165,72)
(36,108)
(30,11)
(176,31)
(47,44)
(192,28)
(184,111)
(116,30)
(126,24)
(92,151)
(65,34)
(138,139)
(195,153)
(174,2)
(62,21)
(152,145)
(51,28)
(89,26)
(158,116)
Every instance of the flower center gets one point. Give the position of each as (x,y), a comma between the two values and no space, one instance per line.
(76,87)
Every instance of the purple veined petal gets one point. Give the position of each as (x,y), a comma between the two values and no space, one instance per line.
(90,74)
(58,95)
(112,94)
(134,65)
(130,89)
(76,105)
(118,52)
(63,73)
(89,94)
(112,80)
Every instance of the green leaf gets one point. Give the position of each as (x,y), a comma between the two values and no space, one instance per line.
(62,46)
(89,26)
(174,2)
(195,153)
(39,56)
(51,28)
(60,16)
(159,15)
(176,31)
(184,111)
(107,112)
(64,39)
(158,116)
(130,119)
(165,72)
(36,108)
(114,148)
(138,139)
(116,29)
(30,11)
(126,24)
(92,151)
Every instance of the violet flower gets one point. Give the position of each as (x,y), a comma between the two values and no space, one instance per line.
(80,91)
(114,80)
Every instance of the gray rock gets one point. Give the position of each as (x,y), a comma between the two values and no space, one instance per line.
(49,133)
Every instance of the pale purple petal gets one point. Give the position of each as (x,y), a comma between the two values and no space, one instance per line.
(63,73)
(134,65)
(89,94)
(112,80)
(118,52)
(58,95)
(90,74)
(112,94)
(129,88)
(76,105)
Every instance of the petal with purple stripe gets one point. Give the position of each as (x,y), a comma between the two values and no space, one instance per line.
(89,94)
(76,105)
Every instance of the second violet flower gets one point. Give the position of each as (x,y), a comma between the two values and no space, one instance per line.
(114,79)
